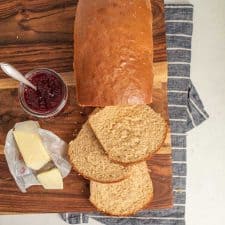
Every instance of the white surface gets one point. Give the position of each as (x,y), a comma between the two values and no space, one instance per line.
(206,143)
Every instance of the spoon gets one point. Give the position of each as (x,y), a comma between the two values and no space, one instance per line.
(15,74)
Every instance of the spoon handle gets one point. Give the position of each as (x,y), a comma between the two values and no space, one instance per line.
(14,73)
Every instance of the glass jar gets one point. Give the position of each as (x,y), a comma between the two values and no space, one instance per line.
(50,97)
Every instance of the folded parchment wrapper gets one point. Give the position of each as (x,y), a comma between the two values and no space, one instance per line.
(24,176)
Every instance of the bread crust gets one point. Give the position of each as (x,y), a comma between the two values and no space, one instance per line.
(113,52)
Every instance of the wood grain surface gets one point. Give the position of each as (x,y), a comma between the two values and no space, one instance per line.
(39,33)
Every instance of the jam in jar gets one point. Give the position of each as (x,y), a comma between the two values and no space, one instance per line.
(50,96)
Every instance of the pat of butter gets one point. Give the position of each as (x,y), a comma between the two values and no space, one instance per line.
(30,145)
(51,179)
(27,126)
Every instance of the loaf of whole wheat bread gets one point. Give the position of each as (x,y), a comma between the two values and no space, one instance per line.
(113,52)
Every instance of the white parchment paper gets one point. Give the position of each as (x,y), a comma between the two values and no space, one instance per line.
(24,176)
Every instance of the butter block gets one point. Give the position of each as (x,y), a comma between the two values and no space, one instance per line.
(51,179)
(27,126)
(30,145)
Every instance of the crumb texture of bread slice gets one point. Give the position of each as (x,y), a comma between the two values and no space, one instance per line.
(129,134)
(126,197)
(89,159)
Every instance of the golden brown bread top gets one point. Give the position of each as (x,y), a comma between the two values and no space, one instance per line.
(113,52)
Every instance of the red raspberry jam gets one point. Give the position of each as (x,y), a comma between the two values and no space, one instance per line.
(49,92)
(50,96)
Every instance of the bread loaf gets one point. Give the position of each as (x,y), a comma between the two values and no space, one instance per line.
(113,52)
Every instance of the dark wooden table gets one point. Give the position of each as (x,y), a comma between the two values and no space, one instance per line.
(39,33)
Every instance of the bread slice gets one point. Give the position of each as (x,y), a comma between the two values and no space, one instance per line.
(89,159)
(129,134)
(125,197)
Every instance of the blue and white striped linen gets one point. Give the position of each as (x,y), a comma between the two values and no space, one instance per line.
(185,112)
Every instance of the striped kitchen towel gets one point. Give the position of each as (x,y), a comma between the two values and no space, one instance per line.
(185,111)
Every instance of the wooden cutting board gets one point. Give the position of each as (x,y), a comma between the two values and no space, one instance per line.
(39,33)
